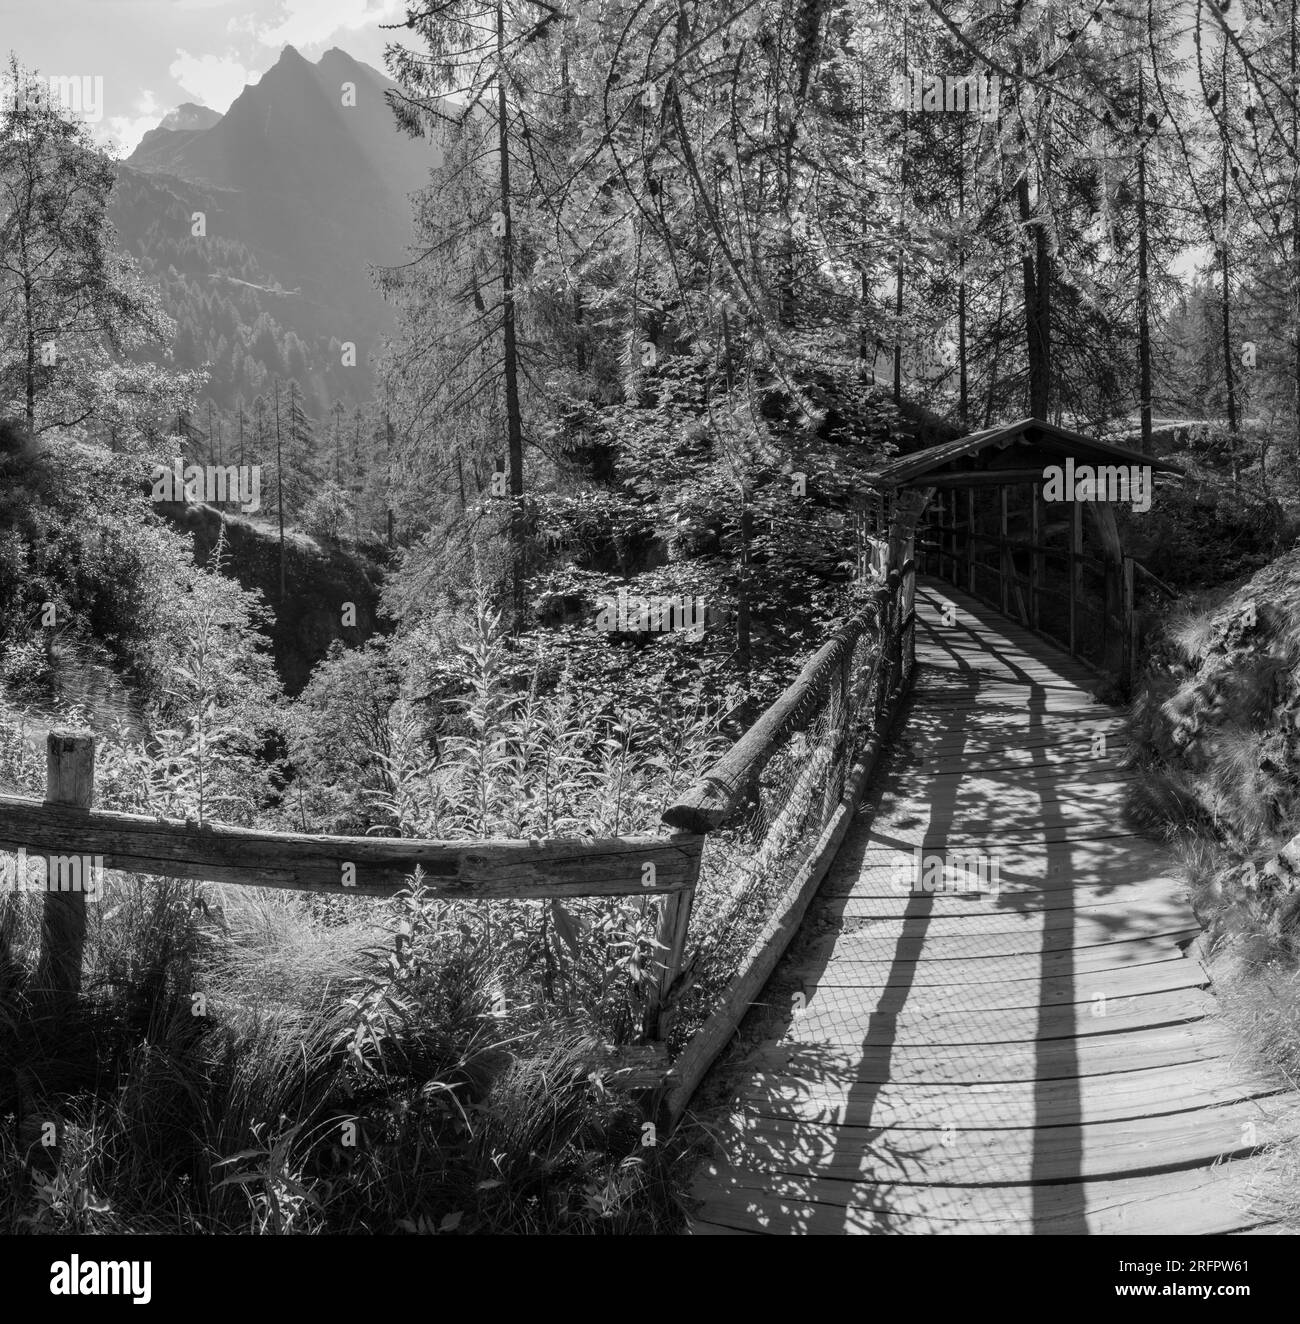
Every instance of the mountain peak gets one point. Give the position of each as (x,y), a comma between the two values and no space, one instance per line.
(312,184)
(190,115)
(294,135)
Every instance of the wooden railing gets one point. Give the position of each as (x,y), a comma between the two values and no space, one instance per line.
(857,681)
(66,828)
(851,690)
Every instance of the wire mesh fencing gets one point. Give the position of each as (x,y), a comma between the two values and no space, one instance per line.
(768,804)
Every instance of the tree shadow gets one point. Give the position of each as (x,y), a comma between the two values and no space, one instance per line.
(945,1086)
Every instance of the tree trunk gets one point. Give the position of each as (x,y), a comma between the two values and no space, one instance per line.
(902,221)
(1229,380)
(864,337)
(1295,222)
(30,375)
(388,460)
(514,418)
(1036,269)
(1144,290)
(997,352)
(963,399)
(743,648)
(1044,266)
(279,483)
(1033,348)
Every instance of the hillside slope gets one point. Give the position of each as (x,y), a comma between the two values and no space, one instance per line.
(1216,723)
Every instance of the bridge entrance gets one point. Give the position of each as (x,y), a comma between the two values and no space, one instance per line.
(1024,518)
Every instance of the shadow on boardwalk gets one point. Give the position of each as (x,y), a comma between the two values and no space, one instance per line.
(1040,1056)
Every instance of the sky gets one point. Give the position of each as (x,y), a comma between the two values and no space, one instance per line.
(154,55)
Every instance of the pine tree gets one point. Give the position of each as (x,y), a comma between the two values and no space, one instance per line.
(482,45)
(70,302)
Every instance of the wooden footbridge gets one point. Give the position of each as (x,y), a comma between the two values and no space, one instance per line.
(950,989)
(1035,1052)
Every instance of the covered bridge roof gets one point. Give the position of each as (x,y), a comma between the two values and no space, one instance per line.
(1010,453)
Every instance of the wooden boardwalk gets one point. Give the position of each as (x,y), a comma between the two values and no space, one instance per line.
(1039,1056)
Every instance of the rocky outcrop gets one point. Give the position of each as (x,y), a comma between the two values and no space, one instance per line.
(331,592)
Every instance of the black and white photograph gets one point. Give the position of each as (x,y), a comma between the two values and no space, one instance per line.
(643,619)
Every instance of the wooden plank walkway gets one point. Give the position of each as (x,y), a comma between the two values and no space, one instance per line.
(1041,1056)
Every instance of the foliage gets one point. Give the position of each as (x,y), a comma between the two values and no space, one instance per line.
(249,1061)
(63,285)
(1215,737)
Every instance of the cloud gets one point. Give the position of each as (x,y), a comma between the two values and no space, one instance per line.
(312,22)
(213,80)
(125,131)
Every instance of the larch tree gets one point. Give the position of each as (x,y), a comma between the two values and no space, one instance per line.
(71,304)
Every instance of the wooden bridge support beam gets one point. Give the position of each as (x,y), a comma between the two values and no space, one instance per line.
(1116,621)
(70,780)
(954,537)
(1131,643)
(1036,566)
(1004,553)
(1074,573)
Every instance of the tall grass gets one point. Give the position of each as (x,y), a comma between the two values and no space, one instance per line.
(496,755)
(241,1064)
(244,1060)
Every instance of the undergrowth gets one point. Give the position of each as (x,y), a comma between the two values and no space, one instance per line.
(1215,736)
(250,1061)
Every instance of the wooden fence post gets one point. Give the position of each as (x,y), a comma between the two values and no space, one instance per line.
(892,618)
(1128,625)
(1076,572)
(949,507)
(70,780)
(674,920)
(907,608)
(841,688)
(1004,555)
(1036,564)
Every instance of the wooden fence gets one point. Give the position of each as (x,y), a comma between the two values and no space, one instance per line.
(857,680)
(65,827)
(861,676)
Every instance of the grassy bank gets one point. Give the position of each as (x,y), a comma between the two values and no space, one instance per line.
(1215,734)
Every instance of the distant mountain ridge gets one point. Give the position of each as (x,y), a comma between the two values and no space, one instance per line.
(303,185)
(188,115)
